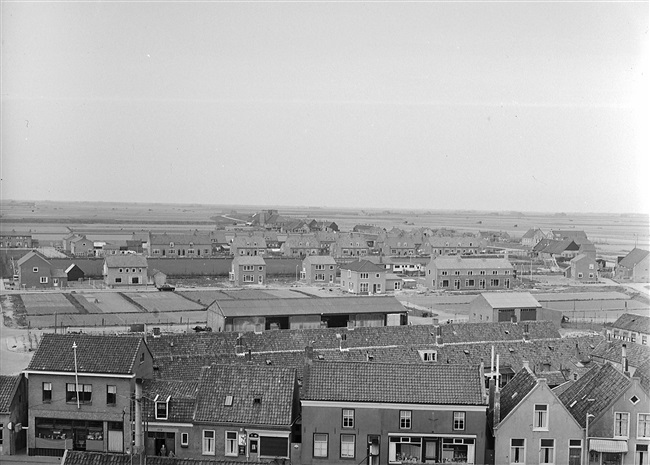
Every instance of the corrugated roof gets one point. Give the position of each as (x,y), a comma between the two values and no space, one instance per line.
(510,299)
(395,383)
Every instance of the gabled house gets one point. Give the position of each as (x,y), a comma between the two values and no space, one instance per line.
(630,327)
(531,425)
(36,272)
(469,273)
(350,245)
(563,234)
(248,245)
(532,237)
(402,245)
(634,266)
(80,391)
(363,277)
(247,270)
(390,413)
(192,244)
(81,246)
(455,245)
(13,414)
(614,410)
(319,270)
(246,413)
(583,269)
(328,226)
(301,245)
(551,248)
(125,270)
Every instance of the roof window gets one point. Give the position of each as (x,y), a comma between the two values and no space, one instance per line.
(228,401)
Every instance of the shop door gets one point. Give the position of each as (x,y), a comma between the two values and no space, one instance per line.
(641,456)
(79,435)
(373,449)
(431,450)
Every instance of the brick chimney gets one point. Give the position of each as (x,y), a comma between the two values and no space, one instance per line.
(624,363)
(439,336)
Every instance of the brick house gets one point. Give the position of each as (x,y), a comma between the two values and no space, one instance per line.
(13,414)
(363,277)
(630,327)
(80,392)
(35,271)
(248,245)
(247,270)
(81,246)
(125,270)
(319,270)
(456,245)
(350,245)
(634,266)
(531,425)
(301,245)
(401,245)
(16,239)
(180,245)
(469,273)
(532,237)
(385,413)
(615,411)
(583,269)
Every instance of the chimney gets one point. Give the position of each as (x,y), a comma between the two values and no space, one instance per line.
(439,335)
(494,402)
(526,365)
(513,319)
(577,351)
(624,361)
(249,355)
(526,332)
(239,347)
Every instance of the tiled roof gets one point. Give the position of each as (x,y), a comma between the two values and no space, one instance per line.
(396,383)
(196,238)
(551,246)
(320,260)
(464,241)
(124,260)
(612,350)
(29,255)
(581,257)
(58,273)
(78,457)
(516,389)
(248,260)
(245,240)
(273,386)
(301,240)
(95,354)
(8,386)
(362,265)
(497,331)
(310,306)
(633,322)
(634,257)
(181,403)
(510,299)
(458,263)
(594,391)
(530,233)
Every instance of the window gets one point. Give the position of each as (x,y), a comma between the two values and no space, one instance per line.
(320,267)
(377,275)
(43,279)
(85,393)
(404,419)
(118,280)
(320,445)
(208,442)
(185,439)
(547,451)
(643,426)
(348,418)
(445,283)
(494,282)
(444,273)
(249,268)
(363,287)
(456,273)
(228,401)
(429,355)
(591,266)
(517,450)
(469,283)
(248,278)
(35,269)
(111,395)
(47,392)
(621,424)
(121,270)
(363,275)
(495,271)
(470,273)
(459,420)
(231,443)
(347,446)
(482,272)
(321,277)
(540,421)
(378,288)
(161,410)
(575,451)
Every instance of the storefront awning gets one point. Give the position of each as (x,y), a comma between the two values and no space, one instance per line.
(608,445)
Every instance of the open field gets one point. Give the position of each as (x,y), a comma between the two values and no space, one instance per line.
(164,302)
(613,234)
(47,304)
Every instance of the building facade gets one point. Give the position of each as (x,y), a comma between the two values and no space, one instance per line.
(319,270)
(36,272)
(469,273)
(363,277)
(125,270)
(247,270)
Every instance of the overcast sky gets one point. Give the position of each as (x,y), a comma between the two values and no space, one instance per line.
(535,106)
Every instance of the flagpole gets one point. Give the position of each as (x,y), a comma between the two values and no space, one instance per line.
(76,375)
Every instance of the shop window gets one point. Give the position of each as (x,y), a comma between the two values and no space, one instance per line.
(404,419)
(208,442)
(111,395)
(47,392)
(347,446)
(231,443)
(348,418)
(459,421)
(320,445)
(575,451)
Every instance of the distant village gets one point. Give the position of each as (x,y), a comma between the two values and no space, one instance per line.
(306,344)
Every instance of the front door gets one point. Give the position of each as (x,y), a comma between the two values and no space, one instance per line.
(374,288)
(373,449)
(260,279)
(431,450)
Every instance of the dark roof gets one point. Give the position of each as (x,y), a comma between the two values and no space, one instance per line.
(633,322)
(275,388)
(612,350)
(248,260)
(362,265)
(29,255)
(472,262)
(634,257)
(8,385)
(516,389)
(78,457)
(182,399)
(397,383)
(497,331)
(55,353)
(129,259)
(594,391)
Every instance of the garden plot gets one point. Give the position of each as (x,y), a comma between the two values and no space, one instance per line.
(164,302)
(85,303)
(110,302)
(205,297)
(47,304)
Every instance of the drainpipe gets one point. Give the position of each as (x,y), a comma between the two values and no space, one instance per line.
(138,415)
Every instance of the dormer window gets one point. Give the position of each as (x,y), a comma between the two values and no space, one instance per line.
(228,401)
(257,400)
(429,355)
(162,408)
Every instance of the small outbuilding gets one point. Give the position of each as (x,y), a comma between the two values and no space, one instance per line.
(74,273)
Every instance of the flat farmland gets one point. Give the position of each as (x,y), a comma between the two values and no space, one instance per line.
(111,302)
(47,304)
(164,302)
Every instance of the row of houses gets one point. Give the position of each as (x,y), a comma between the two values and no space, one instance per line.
(471,393)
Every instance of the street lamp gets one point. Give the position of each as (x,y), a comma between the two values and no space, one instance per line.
(589,415)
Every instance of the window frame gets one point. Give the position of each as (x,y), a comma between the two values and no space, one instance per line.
(462,417)
(543,418)
(43,280)
(185,439)
(211,443)
(326,442)
(232,442)
(522,455)
(616,422)
(113,394)
(159,403)
(570,446)
(405,419)
(354,446)
(347,418)
(647,426)
(541,451)
(49,397)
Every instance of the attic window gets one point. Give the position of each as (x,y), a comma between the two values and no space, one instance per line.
(429,355)
(257,400)
(466,352)
(514,394)
(507,332)
(573,403)
(269,362)
(162,408)
(511,349)
(550,348)
(228,401)
(634,400)
(321,357)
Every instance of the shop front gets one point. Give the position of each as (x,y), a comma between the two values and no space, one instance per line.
(606,451)
(431,449)
(55,435)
